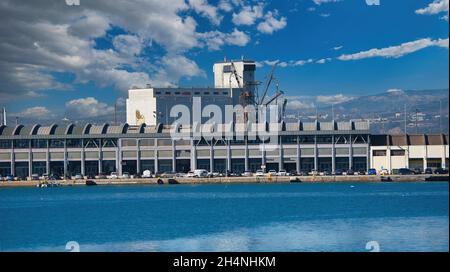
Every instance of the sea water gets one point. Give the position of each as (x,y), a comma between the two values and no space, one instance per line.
(221,217)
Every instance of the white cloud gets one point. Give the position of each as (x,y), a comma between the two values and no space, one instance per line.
(271,24)
(214,40)
(333,99)
(203,8)
(325,15)
(397,51)
(176,66)
(128,44)
(395,91)
(36,113)
(299,105)
(248,15)
(40,38)
(225,5)
(283,64)
(323,61)
(336,48)
(435,7)
(88,107)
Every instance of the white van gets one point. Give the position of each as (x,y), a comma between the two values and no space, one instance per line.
(200,173)
(147,174)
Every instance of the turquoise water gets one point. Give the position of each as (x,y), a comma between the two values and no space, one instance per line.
(238,217)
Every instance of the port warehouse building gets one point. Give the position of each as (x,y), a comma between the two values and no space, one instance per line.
(325,146)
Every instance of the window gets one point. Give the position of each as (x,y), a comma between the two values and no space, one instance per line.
(206,93)
(397,152)
(157,93)
(56,143)
(5,144)
(249,67)
(227,69)
(177,93)
(167,93)
(39,143)
(197,93)
(73,143)
(216,93)
(225,93)
(379,152)
(21,144)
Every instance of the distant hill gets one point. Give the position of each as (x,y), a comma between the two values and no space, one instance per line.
(386,111)
(426,101)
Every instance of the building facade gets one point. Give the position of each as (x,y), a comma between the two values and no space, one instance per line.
(153,105)
(409,151)
(92,149)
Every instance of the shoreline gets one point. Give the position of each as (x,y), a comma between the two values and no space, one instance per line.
(238,180)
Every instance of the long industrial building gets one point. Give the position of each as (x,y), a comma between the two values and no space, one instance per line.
(92,149)
(145,142)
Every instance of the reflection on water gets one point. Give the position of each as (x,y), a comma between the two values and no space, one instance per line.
(283,217)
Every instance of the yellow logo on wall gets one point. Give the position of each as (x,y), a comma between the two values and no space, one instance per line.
(140,119)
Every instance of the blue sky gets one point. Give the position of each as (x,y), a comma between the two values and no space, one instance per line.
(88,55)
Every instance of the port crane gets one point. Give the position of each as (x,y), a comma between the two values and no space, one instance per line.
(247,97)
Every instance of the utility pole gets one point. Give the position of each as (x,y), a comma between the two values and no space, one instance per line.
(115,112)
(440,116)
(417,116)
(405,118)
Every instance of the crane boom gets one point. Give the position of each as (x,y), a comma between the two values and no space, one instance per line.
(236,76)
(278,94)
(269,80)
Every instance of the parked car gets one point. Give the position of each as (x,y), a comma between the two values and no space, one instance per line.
(125,175)
(372,172)
(272,172)
(440,171)
(405,171)
(384,172)
(350,172)
(54,177)
(428,171)
(200,173)
(169,174)
(248,174)
(338,172)
(282,173)
(147,174)
(113,175)
(34,177)
(293,173)
(327,173)
(78,176)
(190,174)
(9,178)
(101,176)
(361,172)
(259,173)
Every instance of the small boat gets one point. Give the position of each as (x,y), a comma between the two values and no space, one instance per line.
(90,182)
(160,181)
(172,181)
(385,179)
